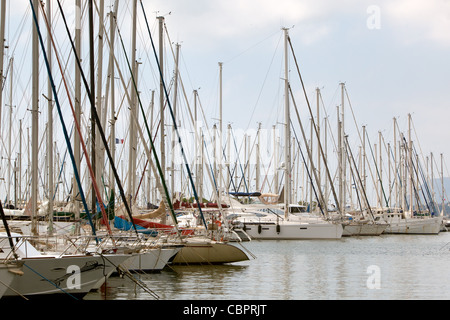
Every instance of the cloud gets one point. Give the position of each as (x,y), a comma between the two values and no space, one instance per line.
(417,20)
(237,20)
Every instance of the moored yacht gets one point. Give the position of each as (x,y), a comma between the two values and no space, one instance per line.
(270,224)
(56,274)
(9,270)
(403,223)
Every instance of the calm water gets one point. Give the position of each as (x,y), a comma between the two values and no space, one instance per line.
(406,267)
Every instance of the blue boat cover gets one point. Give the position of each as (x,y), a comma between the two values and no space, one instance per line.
(125,225)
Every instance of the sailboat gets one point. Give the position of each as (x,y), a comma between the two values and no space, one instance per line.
(57,274)
(403,223)
(9,270)
(192,247)
(261,221)
(198,249)
(410,218)
(270,222)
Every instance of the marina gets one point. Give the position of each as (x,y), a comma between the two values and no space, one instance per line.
(117,183)
(411,267)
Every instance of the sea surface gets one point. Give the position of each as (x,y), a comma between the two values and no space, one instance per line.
(386,267)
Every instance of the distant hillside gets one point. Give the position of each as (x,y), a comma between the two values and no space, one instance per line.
(438,193)
(438,189)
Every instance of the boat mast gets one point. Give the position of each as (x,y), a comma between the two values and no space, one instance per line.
(411,180)
(258,146)
(175,93)
(343,161)
(364,183)
(218,156)
(310,161)
(132,130)
(198,146)
(150,159)
(228,163)
(112,183)
(161,99)
(287,130)
(98,142)
(389,176)
(340,159)
(430,176)
(20,163)
(442,185)
(2,51)
(9,156)
(275,160)
(318,138)
(76,137)
(50,126)
(215,152)
(395,165)
(35,120)
(325,157)
(380,165)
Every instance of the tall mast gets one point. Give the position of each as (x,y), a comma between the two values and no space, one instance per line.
(76,137)
(112,183)
(287,130)
(318,136)
(133,104)
(35,120)
(215,158)
(9,156)
(150,161)
(275,160)
(92,99)
(161,96)
(389,204)
(175,94)
(325,157)
(380,165)
(228,164)
(198,146)
(98,142)
(411,180)
(442,184)
(430,178)
(20,163)
(50,125)
(218,156)
(258,152)
(311,164)
(395,164)
(364,158)
(2,51)
(340,164)
(343,161)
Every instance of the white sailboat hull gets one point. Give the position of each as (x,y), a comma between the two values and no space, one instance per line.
(72,276)
(364,229)
(286,230)
(414,226)
(152,259)
(7,274)
(208,252)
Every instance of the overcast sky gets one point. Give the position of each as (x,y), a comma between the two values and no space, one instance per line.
(391,55)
